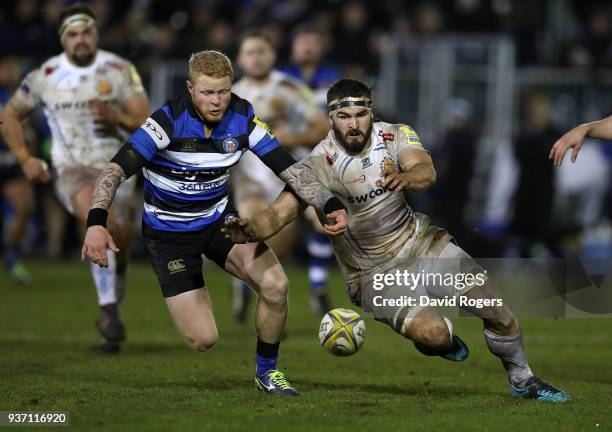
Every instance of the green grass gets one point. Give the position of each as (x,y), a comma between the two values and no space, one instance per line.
(158,383)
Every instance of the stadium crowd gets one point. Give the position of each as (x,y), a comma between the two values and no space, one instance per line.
(320,41)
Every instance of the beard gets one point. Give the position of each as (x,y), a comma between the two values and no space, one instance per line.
(82,55)
(211,120)
(355,145)
(260,76)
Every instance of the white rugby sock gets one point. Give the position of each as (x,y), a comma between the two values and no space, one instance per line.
(104,279)
(449,325)
(511,351)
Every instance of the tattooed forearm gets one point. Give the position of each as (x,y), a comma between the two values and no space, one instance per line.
(304,182)
(107,184)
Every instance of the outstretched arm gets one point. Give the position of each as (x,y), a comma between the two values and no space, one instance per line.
(97,239)
(106,186)
(303,180)
(601,129)
(267,222)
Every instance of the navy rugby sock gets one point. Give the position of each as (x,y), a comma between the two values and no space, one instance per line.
(267,355)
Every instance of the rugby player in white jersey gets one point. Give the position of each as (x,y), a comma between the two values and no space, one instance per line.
(288,107)
(92,99)
(368,165)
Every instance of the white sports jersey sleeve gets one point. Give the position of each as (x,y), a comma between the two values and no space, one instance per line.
(29,92)
(406,138)
(133,83)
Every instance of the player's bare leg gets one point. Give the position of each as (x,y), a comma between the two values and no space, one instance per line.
(20,196)
(504,338)
(431,333)
(282,244)
(110,281)
(193,315)
(257,265)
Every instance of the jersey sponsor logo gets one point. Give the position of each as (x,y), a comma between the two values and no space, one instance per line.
(365,162)
(176,266)
(104,87)
(191,175)
(360,179)
(331,160)
(65,105)
(230,145)
(189,146)
(388,165)
(410,134)
(156,132)
(264,126)
(197,187)
(386,136)
(358,199)
(114,65)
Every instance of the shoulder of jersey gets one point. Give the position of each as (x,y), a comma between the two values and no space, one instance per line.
(326,146)
(387,132)
(290,82)
(50,65)
(393,128)
(386,127)
(112,60)
(237,85)
(240,106)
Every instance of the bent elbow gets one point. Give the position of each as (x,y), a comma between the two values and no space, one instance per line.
(433,178)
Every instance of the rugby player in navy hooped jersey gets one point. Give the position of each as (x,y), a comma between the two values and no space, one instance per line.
(369,164)
(185,150)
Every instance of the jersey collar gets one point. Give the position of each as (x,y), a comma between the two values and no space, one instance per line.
(66,65)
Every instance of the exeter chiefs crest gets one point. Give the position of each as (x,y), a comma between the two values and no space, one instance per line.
(230,145)
(388,165)
(104,87)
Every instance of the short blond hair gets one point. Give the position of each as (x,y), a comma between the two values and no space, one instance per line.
(210,63)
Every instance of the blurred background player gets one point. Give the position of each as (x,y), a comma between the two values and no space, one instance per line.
(287,106)
(308,49)
(91,99)
(533,222)
(17,193)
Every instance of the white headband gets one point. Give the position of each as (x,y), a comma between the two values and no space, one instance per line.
(74,20)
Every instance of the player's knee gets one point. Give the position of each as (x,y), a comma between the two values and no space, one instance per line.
(275,290)
(433,334)
(204,341)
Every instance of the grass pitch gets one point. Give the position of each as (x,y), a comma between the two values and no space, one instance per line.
(158,383)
